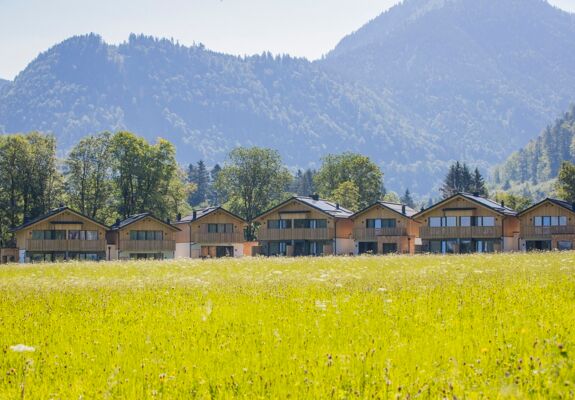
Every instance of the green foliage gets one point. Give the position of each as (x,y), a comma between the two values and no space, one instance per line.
(30,182)
(252,180)
(540,161)
(460,179)
(89,184)
(407,199)
(566,182)
(392,197)
(200,177)
(363,173)
(430,327)
(303,182)
(513,201)
(347,195)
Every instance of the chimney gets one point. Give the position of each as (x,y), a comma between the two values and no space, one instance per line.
(503,203)
(118,220)
(476,194)
(179,217)
(168,221)
(403,209)
(315,197)
(337,206)
(194,215)
(62,205)
(422,209)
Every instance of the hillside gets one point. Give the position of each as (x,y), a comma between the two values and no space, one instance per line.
(425,83)
(483,75)
(538,163)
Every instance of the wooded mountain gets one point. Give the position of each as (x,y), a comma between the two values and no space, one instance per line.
(540,161)
(425,83)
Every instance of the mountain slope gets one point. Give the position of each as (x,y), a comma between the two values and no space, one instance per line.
(539,161)
(481,74)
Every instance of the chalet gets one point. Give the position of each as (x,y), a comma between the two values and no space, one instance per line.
(548,225)
(385,228)
(142,236)
(306,226)
(466,223)
(212,232)
(60,234)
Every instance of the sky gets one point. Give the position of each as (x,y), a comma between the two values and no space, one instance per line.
(307,28)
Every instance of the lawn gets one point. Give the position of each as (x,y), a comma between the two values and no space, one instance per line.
(492,326)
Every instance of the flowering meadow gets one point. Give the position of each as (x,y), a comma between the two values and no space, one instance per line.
(480,326)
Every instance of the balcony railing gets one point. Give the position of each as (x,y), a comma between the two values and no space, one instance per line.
(296,234)
(543,231)
(374,233)
(65,245)
(464,232)
(147,245)
(213,237)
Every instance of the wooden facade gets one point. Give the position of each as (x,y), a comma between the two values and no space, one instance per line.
(469,224)
(331,232)
(399,238)
(62,234)
(142,236)
(548,225)
(211,233)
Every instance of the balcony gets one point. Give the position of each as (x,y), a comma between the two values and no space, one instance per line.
(66,245)
(216,237)
(296,234)
(147,245)
(546,231)
(463,232)
(374,233)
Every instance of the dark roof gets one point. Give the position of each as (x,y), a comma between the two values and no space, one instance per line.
(204,212)
(397,207)
(137,217)
(560,203)
(51,213)
(491,204)
(327,207)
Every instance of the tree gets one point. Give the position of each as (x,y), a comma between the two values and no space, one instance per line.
(354,168)
(566,182)
(200,177)
(303,182)
(407,199)
(251,181)
(347,195)
(392,197)
(459,179)
(513,201)
(88,175)
(213,193)
(147,177)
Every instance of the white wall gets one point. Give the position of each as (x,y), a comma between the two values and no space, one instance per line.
(344,246)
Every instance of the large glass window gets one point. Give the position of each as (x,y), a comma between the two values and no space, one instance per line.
(279,224)
(485,246)
(381,223)
(437,222)
(146,235)
(220,228)
(564,245)
(484,221)
(550,221)
(49,235)
(82,235)
(464,221)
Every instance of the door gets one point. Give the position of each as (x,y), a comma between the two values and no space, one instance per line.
(389,248)
(367,248)
(224,251)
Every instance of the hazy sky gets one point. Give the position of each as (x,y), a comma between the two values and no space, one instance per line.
(307,28)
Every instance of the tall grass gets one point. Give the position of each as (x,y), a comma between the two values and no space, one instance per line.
(500,326)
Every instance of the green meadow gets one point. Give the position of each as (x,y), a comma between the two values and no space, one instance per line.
(475,327)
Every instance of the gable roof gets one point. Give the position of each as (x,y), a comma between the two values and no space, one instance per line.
(482,201)
(395,207)
(53,213)
(561,203)
(138,217)
(204,213)
(327,207)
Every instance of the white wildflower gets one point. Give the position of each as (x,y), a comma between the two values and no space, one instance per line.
(22,348)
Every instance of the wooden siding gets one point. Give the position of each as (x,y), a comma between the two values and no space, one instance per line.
(373,233)
(463,232)
(68,221)
(546,209)
(197,231)
(147,245)
(295,234)
(122,237)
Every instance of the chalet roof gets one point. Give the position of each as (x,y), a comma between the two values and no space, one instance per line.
(485,202)
(396,207)
(52,213)
(205,212)
(325,206)
(138,217)
(561,203)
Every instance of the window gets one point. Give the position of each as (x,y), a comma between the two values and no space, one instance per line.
(220,228)
(49,235)
(435,222)
(381,223)
(550,221)
(310,223)
(435,246)
(564,245)
(485,246)
(484,221)
(146,235)
(464,221)
(438,222)
(82,235)
(279,224)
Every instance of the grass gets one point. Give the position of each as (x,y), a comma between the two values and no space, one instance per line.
(500,326)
